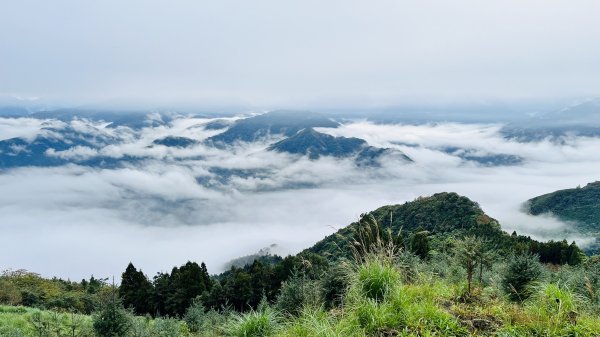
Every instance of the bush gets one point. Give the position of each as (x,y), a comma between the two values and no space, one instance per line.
(377,278)
(194,316)
(9,293)
(334,285)
(166,327)
(112,320)
(379,318)
(259,323)
(296,293)
(519,275)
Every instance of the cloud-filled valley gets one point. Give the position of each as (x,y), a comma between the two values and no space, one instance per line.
(115,193)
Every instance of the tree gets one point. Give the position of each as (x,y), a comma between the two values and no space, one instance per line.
(136,290)
(485,258)
(468,252)
(574,255)
(174,293)
(522,270)
(112,320)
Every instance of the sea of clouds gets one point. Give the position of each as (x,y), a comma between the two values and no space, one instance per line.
(171,205)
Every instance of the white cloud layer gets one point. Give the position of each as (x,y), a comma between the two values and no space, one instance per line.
(72,221)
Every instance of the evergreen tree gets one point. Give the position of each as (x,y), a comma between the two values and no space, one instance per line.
(136,291)
(519,275)
(468,251)
(112,320)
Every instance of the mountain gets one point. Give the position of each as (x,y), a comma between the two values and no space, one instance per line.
(315,144)
(485,159)
(580,119)
(584,113)
(442,216)
(579,206)
(173,141)
(53,146)
(281,122)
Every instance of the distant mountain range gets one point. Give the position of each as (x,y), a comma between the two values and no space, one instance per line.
(579,206)
(51,147)
(581,118)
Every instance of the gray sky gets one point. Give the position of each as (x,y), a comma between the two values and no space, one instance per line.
(298,53)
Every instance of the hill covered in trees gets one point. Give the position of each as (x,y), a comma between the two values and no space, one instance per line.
(436,266)
(579,206)
(435,221)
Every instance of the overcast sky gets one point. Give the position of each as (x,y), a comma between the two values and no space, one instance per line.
(298,53)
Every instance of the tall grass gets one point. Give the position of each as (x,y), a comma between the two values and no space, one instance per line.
(263,322)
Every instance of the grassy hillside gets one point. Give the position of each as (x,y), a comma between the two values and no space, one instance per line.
(580,206)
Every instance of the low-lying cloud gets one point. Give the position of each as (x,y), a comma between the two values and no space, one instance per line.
(171,205)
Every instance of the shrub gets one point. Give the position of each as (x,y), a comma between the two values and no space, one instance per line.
(112,320)
(379,318)
(519,275)
(194,316)
(9,293)
(296,293)
(166,327)
(377,278)
(334,285)
(259,323)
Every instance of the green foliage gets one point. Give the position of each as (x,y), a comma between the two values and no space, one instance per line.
(298,292)
(377,278)
(194,316)
(173,293)
(419,244)
(470,252)
(21,287)
(521,272)
(135,290)
(334,285)
(167,327)
(112,320)
(260,323)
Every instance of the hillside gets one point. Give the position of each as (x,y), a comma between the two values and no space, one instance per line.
(579,206)
(443,216)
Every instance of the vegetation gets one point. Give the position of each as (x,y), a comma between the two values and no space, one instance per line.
(382,281)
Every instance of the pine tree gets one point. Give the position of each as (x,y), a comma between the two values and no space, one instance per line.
(136,290)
